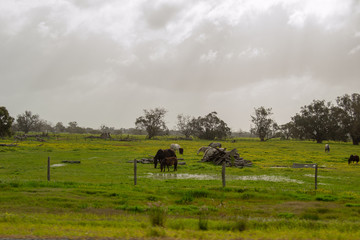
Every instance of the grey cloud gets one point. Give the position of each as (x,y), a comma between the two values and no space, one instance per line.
(209,55)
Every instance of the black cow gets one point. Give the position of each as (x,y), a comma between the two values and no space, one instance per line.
(162,154)
(353,158)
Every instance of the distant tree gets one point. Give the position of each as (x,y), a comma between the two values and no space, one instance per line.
(43,126)
(152,122)
(59,127)
(210,127)
(184,125)
(349,115)
(286,130)
(27,122)
(106,129)
(74,128)
(315,121)
(264,126)
(5,122)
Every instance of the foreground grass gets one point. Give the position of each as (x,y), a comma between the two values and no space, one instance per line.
(98,199)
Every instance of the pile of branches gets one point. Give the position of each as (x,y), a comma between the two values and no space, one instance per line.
(231,158)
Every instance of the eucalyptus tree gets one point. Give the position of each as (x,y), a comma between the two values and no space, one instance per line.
(315,121)
(349,115)
(27,121)
(5,122)
(264,126)
(152,122)
(184,125)
(210,127)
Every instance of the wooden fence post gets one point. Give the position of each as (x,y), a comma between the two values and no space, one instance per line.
(48,169)
(223,173)
(316,171)
(135,169)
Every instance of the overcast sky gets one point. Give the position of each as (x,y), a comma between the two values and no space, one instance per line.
(102,62)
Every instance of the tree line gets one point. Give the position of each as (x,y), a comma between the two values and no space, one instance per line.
(317,121)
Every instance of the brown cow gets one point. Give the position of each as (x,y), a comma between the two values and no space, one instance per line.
(169,161)
(162,154)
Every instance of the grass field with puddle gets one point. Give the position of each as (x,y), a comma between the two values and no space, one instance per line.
(97,198)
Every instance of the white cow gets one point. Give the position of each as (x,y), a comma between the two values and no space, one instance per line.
(175,147)
(327,148)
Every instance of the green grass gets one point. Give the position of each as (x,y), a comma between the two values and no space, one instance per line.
(97,198)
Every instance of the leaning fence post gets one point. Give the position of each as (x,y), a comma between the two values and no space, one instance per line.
(135,169)
(316,171)
(223,173)
(48,169)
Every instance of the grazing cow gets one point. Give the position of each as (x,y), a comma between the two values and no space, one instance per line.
(169,161)
(353,158)
(327,148)
(215,144)
(202,149)
(162,154)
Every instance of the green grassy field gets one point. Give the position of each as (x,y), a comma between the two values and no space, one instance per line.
(98,199)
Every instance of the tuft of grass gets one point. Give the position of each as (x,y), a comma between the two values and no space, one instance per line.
(203,218)
(240,224)
(326,198)
(286,215)
(310,216)
(157,214)
(352,205)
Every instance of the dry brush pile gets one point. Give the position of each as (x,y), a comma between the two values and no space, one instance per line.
(220,155)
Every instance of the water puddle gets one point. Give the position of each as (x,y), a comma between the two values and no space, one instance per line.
(58,165)
(182,176)
(266,178)
(319,176)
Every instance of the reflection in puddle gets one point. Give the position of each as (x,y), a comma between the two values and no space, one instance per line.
(58,165)
(218,177)
(268,178)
